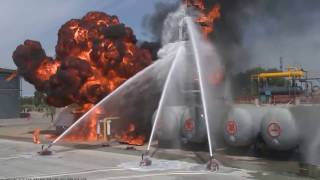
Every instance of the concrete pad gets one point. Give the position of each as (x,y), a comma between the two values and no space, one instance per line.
(20,160)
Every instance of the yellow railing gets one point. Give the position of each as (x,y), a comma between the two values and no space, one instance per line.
(291,73)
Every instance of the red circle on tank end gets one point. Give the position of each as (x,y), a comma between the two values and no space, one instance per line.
(188,125)
(231,127)
(274,130)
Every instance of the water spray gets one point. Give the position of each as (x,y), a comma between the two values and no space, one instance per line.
(212,164)
(145,156)
(46,150)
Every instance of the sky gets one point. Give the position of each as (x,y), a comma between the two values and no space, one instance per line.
(41,19)
(293,33)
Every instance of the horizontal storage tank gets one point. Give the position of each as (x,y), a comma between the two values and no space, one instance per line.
(181,124)
(168,126)
(279,130)
(242,126)
(193,127)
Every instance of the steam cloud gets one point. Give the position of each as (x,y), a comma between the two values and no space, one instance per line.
(248,30)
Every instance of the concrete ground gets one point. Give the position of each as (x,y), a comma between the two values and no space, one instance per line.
(22,128)
(19,159)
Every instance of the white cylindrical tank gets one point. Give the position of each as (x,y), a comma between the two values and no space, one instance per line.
(242,126)
(279,130)
(193,128)
(168,125)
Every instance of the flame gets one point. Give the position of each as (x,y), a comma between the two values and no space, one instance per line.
(129,136)
(12,76)
(87,131)
(47,69)
(205,19)
(94,56)
(36,136)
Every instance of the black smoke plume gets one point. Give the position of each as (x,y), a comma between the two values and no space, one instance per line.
(279,20)
(94,55)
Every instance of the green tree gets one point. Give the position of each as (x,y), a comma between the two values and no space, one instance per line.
(38,99)
(242,82)
(49,111)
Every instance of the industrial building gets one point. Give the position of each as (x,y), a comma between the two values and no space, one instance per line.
(10,93)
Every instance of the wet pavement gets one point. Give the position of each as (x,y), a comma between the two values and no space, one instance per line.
(20,160)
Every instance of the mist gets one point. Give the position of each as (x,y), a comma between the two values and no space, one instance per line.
(257,33)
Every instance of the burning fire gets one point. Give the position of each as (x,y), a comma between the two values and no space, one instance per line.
(87,131)
(205,19)
(94,55)
(129,136)
(36,136)
(11,76)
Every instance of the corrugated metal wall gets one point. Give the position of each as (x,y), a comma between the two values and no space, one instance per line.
(9,96)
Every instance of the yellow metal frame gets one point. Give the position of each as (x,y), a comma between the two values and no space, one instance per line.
(290,73)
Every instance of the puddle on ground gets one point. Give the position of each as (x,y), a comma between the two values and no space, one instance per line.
(174,166)
(165,165)
(161,165)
